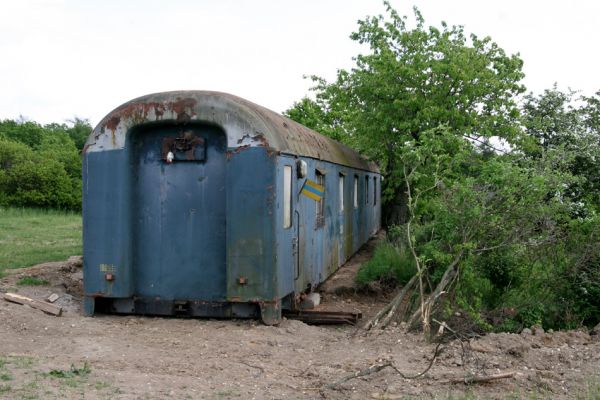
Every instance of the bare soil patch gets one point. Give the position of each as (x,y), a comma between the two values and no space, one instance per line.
(132,357)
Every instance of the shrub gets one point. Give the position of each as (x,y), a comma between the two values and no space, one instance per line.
(389,265)
(29,179)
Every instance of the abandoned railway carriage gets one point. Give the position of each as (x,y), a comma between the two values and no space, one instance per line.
(204,204)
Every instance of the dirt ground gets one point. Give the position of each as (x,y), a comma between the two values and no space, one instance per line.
(132,357)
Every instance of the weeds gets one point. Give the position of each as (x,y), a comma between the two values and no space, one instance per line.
(101,385)
(31,281)
(72,372)
(389,266)
(28,382)
(22,362)
(5,377)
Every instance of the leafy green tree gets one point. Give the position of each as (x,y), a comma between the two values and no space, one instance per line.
(551,118)
(59,146)
(560,120)
(415,79)
(29,179)
(39,166)
(26,132)
(311,114)
(488,229)
(79,131)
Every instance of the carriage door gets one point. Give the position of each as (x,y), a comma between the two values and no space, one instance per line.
(178,209)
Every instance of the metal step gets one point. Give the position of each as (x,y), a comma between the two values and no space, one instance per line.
(315,317)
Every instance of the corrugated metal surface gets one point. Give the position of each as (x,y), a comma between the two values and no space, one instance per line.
(247,125)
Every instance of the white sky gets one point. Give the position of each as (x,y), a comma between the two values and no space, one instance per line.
(66,58)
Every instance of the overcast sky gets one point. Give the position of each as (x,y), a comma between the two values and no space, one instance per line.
(66,58)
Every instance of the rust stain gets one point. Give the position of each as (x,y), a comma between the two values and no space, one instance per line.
(262,139)
(113,122)
(182,104)
(183,107)
(237,150)
(258,138)
(291,137)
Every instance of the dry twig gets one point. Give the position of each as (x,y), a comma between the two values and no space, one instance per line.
(387,313)
(378,367)
(469,379)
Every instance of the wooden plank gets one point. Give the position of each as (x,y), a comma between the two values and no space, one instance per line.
(40,305)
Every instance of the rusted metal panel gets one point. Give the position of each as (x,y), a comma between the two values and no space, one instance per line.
(247,125)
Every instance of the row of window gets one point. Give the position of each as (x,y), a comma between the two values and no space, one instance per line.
(342,178)
(320,204)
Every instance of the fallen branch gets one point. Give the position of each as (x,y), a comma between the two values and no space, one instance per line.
(40,305)
(378,367)
(447,278)
(363,372)
(260,369)
(386,314)
(469,379)
(435,354)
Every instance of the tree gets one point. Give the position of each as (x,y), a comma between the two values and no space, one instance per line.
(79,131)
(557,120)
(32,179)
(412,80)
(486,229)
(40,166)
(310,114)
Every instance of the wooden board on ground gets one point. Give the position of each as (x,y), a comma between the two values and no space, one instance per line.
(37,304)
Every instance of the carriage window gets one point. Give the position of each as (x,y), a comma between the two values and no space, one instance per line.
(366,190)
(374,191)
(341,192)
(355,191)
(287,196)
(320,203)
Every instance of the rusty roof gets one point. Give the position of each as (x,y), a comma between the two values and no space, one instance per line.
(245,123)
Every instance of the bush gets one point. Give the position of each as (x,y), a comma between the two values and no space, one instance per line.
(30,179)
(389,265)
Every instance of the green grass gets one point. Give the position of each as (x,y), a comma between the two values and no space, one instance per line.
(22,362)
(21,377)
(592,391)
(31,281)
(72,372)
(33,236)
(5,377)
(389,265)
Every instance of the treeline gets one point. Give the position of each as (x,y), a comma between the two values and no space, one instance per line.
(40,165)
(490,195)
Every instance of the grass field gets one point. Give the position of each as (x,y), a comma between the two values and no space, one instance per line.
(32,236)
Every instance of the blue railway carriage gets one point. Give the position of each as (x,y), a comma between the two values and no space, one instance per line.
(204,204)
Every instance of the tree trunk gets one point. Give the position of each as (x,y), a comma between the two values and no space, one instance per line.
(395,210)
(447,278)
